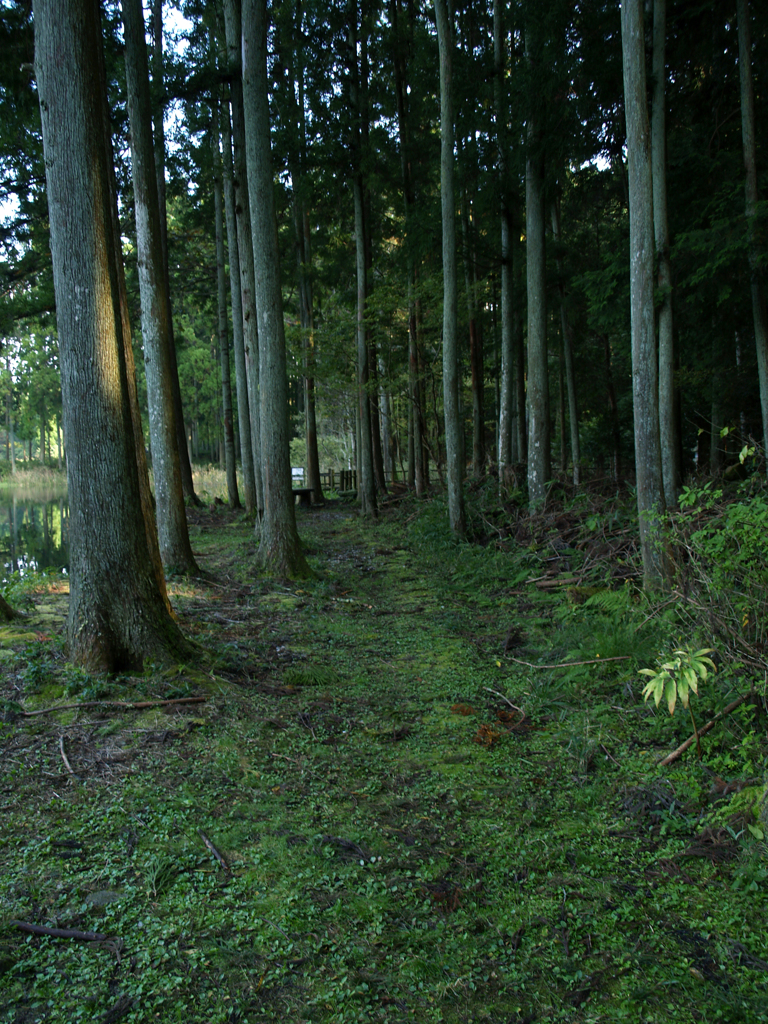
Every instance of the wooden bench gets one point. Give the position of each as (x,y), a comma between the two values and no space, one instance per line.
(304,494)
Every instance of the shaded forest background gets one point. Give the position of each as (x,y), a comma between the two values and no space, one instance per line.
(386,134)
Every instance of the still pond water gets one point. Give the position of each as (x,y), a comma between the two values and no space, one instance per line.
(34,531)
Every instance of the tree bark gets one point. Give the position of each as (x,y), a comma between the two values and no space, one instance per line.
(453,447)
(314,480)
(670,445)
(416,454)
(223,334)
(297,164)
(539,465)
(280,548)
(173,534)
(475,340)
(507,453)
(185,464)
(645,391)
(570,376)
(366,486)
(233,29)
(118,611)
(759,306)
(241,378)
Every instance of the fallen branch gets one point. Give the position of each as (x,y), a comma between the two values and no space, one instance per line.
(570,664)
(506,699)
(67,765)
(60,933)
(705,728)
(214,851)
(553,582)
(115,704)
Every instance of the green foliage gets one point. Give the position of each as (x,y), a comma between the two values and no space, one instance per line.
(387,856)
(310,675)
(678,677)
(80,683)
(721,540)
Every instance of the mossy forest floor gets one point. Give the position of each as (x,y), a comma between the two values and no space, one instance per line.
(381,811)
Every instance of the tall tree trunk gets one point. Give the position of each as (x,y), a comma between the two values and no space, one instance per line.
(185,465)
(645,390)
(668,432)
(223,333)
(9,416)
(385,415)
(416,455)
(303,245)
(716,406)
(453,448)
(539,465)
(314,480)
(508,453)
(373,404)
(279,548)
(118,610)
(241,378)
(613,406)
(173,534)
(567,336)
(519,423)
(366,486)
(475,340)
(759,307)
(233,30)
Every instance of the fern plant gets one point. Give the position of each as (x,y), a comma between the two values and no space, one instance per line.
(676,678)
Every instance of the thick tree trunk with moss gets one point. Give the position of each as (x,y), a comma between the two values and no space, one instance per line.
(280,548)
(157,339)
(118,613)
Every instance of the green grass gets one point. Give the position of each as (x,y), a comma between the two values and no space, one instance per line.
(401,845)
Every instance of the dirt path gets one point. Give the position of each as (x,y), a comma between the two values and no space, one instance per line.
(356,824)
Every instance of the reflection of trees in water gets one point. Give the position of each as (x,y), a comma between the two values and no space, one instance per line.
(34,533)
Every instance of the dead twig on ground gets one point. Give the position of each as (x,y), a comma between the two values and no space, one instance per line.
(131,705)
(214,851)
(569,664)
(67,765)
(506,701)
(60,933)
(704,728)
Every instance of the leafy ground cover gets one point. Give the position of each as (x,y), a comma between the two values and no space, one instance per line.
(421,786)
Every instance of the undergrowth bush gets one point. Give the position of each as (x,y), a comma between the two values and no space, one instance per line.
(722,572)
